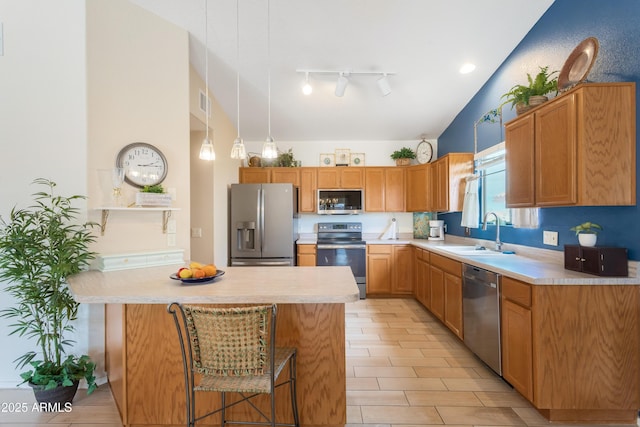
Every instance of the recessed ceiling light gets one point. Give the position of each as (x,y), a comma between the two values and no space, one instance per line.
(467,68)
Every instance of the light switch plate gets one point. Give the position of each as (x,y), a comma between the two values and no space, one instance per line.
(550,238)
(171,226)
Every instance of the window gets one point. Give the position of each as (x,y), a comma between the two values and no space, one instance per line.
(490,165)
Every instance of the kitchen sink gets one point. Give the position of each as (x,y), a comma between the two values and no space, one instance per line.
(473,251)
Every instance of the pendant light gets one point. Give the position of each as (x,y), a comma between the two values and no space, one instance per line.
(206,149)
(238,150)
(269,149)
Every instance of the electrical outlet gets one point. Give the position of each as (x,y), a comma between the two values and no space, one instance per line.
(196,232)
(171,239)
(550,238)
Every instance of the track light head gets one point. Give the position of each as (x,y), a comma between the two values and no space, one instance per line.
(383,85)
(343,81)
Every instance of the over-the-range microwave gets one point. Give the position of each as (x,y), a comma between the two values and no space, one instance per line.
(340,202)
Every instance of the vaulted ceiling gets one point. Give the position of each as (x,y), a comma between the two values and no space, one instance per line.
(424,42)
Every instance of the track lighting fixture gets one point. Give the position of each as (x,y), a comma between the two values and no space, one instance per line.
(383,85)
(306,88)
(343,80)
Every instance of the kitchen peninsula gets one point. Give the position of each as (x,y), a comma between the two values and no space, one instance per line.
(143,359)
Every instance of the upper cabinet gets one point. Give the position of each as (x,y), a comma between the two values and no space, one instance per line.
(384,189)
(340,177)
(575,150)
(438,186)
(303,178)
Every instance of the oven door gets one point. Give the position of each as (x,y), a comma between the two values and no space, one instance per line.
(354,256)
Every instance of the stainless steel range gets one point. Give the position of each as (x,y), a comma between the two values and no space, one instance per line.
(341,244)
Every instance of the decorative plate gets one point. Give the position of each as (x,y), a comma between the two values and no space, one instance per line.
(577,66)
(327,159)
(192,280)
(357,159)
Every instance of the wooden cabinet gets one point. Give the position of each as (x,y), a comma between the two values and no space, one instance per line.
(384,189)
(308,192)
(446,292)
(379,259)
(389,270)
(600,260)
(286,176)
(573,351)
(340,177)
(422,282)
(578,149)
(517,360)
(438,186)
(448,181)
(402,270)
(306,255)
(254,175)
(417,195)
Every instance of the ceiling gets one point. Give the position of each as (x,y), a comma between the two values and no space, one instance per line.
(424,42)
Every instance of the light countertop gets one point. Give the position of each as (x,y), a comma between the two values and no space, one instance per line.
(251,285)
(531,265)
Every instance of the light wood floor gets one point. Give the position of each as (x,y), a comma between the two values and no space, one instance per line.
(403,368)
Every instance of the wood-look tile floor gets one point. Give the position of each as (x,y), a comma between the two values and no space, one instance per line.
(404,368)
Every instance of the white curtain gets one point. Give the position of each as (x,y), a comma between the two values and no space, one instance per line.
(525,217)
(471,204)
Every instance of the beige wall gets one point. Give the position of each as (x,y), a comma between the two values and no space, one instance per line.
(137,90)
(210,180)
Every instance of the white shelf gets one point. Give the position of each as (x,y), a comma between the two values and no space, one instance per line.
(166,214)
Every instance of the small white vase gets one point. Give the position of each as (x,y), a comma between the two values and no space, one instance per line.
(587,239)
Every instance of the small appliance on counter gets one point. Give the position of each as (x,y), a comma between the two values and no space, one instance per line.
(436,230)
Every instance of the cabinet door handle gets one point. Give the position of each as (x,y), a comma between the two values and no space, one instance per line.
(582,259)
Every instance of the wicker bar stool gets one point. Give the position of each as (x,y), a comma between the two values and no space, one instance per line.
(234,350)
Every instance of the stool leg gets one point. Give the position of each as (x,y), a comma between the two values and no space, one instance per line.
(223,400)
(293,390)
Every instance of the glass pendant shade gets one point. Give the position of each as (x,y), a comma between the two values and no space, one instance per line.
(206,150)
(238,151)
(269,149)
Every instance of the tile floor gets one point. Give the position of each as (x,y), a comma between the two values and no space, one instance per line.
(403,368)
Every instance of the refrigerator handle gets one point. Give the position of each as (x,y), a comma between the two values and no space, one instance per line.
(261,216)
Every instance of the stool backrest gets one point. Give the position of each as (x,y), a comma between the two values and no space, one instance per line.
(230,341)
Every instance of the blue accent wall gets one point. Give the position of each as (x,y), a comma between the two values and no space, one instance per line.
(550,42)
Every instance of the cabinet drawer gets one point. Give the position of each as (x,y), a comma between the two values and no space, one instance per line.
(378,249)
(516,291)
(307,249)
(447,264)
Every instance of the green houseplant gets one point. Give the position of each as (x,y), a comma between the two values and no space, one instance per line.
(524,97)
(403,156)
(39,247)
(587,233)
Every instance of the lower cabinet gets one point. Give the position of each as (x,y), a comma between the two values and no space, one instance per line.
(574,350)
(517,360)
(445,276)
(421,282)
(389,270)
(306,255)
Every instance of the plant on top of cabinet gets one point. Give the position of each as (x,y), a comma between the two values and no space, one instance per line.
(524,97)
(40,246)
(403,156)
(286,160)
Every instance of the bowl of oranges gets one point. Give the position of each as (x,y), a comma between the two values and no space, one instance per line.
(197,273)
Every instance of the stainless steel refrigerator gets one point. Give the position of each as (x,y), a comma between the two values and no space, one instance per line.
(263,224)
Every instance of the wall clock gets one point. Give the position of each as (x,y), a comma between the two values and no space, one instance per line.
(424,152)
(143,164)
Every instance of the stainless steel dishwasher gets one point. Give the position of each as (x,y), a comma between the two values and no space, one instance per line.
(481,308)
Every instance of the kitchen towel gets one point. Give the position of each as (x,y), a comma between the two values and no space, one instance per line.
(391,233)
(471,204)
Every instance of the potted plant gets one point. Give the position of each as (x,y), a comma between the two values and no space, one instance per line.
(587,233)
(403,156)
(39,247)
(524,97)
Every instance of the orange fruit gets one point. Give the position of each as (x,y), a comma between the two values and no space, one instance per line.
(198,273)
(210,270)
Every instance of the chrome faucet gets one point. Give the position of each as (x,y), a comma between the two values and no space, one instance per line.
(484,227)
